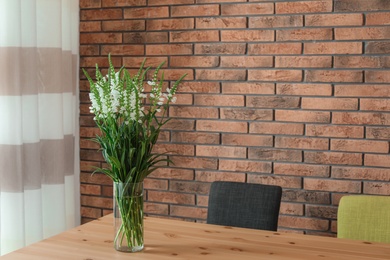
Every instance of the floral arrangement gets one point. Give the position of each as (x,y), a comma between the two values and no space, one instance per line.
(130,122)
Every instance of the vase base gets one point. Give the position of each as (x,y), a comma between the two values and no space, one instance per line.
(126,249)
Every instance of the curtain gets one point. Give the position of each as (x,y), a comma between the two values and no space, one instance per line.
(39,160)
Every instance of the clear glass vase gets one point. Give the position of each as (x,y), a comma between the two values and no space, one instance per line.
(128,215)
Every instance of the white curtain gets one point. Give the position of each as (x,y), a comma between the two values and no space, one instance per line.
(39,159)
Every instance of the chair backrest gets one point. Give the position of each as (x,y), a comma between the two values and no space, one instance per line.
(364,217)
(244,205)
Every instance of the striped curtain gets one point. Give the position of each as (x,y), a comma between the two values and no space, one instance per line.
(39,194)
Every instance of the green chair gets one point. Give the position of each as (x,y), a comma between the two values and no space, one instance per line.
(364,217)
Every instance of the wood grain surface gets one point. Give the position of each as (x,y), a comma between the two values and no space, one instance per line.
(174,239)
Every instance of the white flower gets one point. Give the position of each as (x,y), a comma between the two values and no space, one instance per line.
(158,110)
(160,103)
(151,95)
(174,100)
(151,83)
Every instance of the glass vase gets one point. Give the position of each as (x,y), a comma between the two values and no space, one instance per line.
(128,215)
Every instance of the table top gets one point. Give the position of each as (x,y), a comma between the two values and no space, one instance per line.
(175,239)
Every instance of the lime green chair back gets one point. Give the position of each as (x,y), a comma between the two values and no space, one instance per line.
(364,217)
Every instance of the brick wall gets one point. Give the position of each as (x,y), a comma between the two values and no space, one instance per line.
(292,93)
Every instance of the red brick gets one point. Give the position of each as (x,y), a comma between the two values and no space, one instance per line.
(190,187)
(194,61)
(169,49)
(276,128)
(89,144)
(335,131)
(375,104)
(219,1)
(321,211)
(306,196)
(194,162)
(182,149)
(356,118)
(334,158)
(208,176)
(188,212)
(301,143)
(182,99)
(302,116)
(272,102)
(199,87)
(275,75)
(373,76)
(90,26)
(334,76)
(360,146)
(220,48)
(195,137)
(195,10)
(303,223)
(102,61)
(118,3)
(246,114)
(219,100)
(306,34)
(276,21)
(88,50)
(363,33)
(304,89)
(90,4)
(89,189)
(123,50)
(180,124)
(247,88)
(361,5)
(170,2)
(218,74)
(359,173)
(275,48)
(193,112)
(291,209)
(91,155)
(220,151)
(376,188)
(146,12)
(97,202)
(330,103)
(366,90)
(246,61)
(303,61)
(304,7)
(96,38)
(171,173)
(247,9)
(246,140)
(377,160)
(221,126)
(334,20)
(333,48)
(96,178)
(282,181)
(377,47)
(332,185)
(247,35)
(145,37)
(195,36)
(135,62)
(220,22)
(361,62)
(301,169)
(156,208)
(90,212)
(244,166)
(377,132)
(170,24)
(100,14)
(155,184)
(175,74)
(86,166)
(274,154)
(171,197)
(133,25)
(202,201)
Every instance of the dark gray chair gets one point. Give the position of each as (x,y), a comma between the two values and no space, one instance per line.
(244,205)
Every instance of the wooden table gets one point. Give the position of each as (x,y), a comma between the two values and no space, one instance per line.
(173,239)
